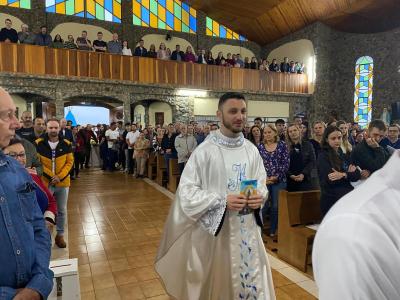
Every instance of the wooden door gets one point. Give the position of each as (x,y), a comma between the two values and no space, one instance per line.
(159,116)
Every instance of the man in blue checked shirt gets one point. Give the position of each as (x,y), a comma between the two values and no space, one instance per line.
(25,244)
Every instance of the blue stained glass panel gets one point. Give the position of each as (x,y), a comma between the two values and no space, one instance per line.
(145,15)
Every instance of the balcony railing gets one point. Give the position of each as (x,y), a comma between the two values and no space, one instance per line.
(36,60)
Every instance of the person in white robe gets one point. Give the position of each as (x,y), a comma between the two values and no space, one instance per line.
(356,252)
(209,251)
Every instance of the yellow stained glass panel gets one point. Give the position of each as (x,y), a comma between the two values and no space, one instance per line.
(235,36)
(60,8)
(185,17)
(169,28)
(117,9)
(144,24)
(89,7)
(170,5)
(136,8)
(3,2)
(193,12)
(153,21)
(146,3)
(161,13)
(101,2)
(79,6)
(216,28)
(177,24)
(208,32)
(15,4)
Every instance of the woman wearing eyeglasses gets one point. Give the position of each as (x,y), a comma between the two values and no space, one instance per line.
(46,201)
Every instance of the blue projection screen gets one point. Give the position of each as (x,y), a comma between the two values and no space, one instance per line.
(83,115)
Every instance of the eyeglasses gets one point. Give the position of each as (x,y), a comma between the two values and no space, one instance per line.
(7,116)
(16,155)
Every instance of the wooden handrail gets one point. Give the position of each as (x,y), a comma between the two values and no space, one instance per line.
(37,60)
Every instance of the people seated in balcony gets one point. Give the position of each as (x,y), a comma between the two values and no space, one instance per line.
(8,34)
(219,58)
(201,59)
(236,64)
(125,48)
(140,50)
(58,42)
(114,46)
(83,42)
(223,63)
(169,53)
(178,55)
(70,44)
(246,63)
(239,60)
(152,51)
(25,36)
(285,67)
(162,52)
(189,55)
(99,45)
(274,67)
(209,58)
(229,60)
(43,38)
(253,63)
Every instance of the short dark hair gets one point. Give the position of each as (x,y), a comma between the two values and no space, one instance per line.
(7,20)
(127,124)
(84,31)
(379,124)
(258,119)
(99,32)
(43,26)
(120,122)
(280,121)
(113,123)
(15,141)
(53,119)
(36,119)
(230,95)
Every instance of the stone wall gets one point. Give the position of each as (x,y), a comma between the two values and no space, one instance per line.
(336,54)
(37,17)
(63,90)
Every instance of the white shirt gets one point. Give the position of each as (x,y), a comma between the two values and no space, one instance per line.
(356,250)
(53,146)
(126,51)
(132,137)
(112,135)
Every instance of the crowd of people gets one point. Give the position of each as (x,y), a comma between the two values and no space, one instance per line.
(116,46)
(333,158)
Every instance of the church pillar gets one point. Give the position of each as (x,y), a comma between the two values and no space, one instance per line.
(146,115)
(127,110)
(59,105)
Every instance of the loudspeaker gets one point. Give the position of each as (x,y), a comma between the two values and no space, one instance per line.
(396,111)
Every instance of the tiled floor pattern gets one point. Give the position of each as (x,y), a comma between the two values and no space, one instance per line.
(115,224)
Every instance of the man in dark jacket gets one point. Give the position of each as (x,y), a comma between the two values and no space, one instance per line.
(140,50)
(178,55)
(43,38)
(369,155)
(285,67)
(8,34)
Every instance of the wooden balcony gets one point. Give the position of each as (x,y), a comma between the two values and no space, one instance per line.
(36,60)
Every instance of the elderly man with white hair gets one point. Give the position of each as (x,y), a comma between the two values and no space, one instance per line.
(25,36)
(25,241)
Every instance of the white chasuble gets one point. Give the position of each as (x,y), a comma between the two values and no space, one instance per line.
(208,252)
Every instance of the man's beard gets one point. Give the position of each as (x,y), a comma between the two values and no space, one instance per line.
(53,134)
(230,127)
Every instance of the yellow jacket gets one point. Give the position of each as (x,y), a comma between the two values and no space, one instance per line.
(62,157)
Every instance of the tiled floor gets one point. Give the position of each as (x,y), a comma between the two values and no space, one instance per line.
(115,224)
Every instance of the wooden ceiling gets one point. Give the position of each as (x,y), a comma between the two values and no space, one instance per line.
(264,21)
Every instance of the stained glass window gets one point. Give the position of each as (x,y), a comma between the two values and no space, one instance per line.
(363,90)
(164,14)
(105,10)
(17,3)
(217,30)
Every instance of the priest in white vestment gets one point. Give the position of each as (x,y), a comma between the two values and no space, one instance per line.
(209,251)
(356,254)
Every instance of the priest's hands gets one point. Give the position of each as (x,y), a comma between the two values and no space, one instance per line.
(238,202)
(255,201)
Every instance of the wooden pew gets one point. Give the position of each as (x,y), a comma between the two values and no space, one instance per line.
(161,170)
(174,175)
(296,210)
(152,166)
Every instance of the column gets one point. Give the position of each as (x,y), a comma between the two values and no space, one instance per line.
(147,115)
